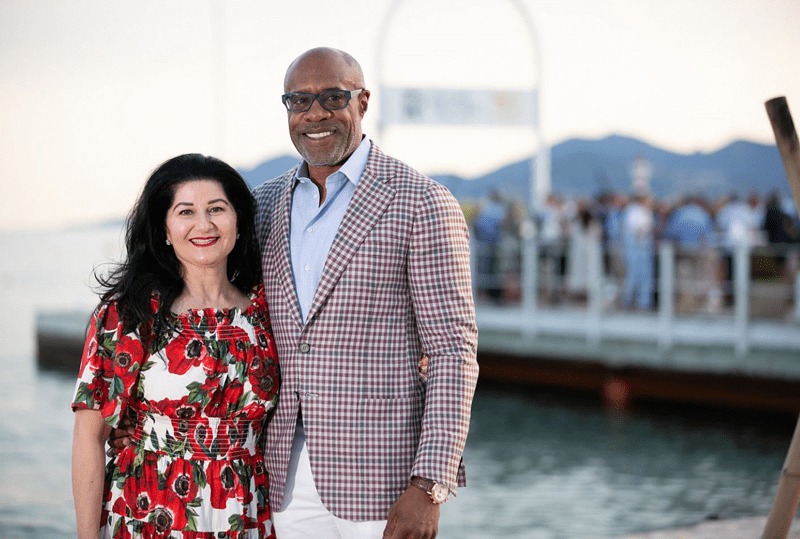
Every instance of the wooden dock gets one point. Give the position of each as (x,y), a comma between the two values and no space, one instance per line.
(60,338)
(622,356)
(625,356)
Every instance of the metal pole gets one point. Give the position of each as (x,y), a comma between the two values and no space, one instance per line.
(741,275)
(666,293)
(383,31)
(473,263)
(595,290)
(530,285)
(218,24)
(540,166)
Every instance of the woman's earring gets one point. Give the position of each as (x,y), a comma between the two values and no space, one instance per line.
(237,235)
(168,243)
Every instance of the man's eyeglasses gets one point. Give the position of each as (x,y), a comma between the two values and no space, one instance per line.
(329,99)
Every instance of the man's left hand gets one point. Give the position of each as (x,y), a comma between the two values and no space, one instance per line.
(413,516)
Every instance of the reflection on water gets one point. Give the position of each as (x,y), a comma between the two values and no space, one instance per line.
(539,464)
(550,466)
(41,269)
(35,439)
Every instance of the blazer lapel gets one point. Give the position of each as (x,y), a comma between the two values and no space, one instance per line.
(282,252)
(370,200)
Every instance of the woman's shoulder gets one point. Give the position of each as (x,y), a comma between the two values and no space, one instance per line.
(107,313)
(110,311)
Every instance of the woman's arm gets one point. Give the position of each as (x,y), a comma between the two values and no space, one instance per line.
(88,470)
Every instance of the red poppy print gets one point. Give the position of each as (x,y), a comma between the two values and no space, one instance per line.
(138,490)
(167,518)
(229,399)
(181,413)
(90,350)
(238,344)
(185,351)
(230,437)
(192,469)
(266,342)
(224,483)
(110,319)
(97,391)
(181,490)
(127,360)
(200,437)
(208,318)
(213,366)
(262,384)
(129,354)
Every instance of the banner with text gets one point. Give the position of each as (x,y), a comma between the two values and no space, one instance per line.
(458,107)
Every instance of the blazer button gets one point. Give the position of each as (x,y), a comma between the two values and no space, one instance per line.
(305,348)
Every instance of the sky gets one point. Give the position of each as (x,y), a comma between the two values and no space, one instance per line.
(95,94)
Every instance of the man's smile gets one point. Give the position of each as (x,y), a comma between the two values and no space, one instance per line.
(317,136)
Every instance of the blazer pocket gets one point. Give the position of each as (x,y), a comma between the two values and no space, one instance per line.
(390,430)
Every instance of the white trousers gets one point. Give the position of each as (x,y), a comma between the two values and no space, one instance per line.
(303,515)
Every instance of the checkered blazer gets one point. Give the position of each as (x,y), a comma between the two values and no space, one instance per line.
(396,283)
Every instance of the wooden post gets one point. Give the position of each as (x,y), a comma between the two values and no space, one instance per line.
(788,494)
(788,145)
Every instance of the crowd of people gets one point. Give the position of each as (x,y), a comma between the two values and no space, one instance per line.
(706,233)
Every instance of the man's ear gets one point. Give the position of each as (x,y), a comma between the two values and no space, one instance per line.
(363,102)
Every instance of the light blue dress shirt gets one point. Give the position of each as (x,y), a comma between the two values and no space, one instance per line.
(313,227)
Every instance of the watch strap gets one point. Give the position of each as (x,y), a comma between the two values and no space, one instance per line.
(423,483)
(428,486)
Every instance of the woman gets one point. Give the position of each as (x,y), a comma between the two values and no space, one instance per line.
(180,343)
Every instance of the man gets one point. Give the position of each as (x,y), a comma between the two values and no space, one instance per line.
(690,226)
(488,229)
(366,266)
(638,227)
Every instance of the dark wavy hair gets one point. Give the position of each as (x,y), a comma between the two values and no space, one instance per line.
(150,264)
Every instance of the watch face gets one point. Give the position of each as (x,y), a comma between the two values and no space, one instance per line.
(439,493)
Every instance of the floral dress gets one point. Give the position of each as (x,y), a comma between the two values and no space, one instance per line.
(199,394)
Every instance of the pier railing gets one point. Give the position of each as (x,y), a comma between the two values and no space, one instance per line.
(743,297)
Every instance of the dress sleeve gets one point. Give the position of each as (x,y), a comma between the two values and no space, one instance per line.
(109,366)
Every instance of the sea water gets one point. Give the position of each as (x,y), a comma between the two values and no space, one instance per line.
(540,463)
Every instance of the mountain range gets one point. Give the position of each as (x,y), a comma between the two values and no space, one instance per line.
(582,168)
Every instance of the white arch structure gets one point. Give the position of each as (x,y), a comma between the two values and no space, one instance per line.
(494,107)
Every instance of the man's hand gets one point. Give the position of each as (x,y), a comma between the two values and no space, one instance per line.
(423,366)
(120,437)
(413,516)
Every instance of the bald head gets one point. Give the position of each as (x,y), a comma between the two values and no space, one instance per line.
(347,66)
(326,137)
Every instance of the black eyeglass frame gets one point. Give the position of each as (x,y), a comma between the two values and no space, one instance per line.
(318,97)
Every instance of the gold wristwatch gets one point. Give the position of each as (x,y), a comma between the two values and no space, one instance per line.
(438,492)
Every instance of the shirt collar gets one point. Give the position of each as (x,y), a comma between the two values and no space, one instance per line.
(352,169)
